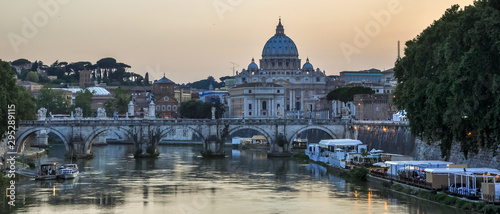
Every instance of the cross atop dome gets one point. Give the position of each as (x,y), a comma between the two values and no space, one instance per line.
(279,28)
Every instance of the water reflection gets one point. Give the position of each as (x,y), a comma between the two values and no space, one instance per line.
(180,181)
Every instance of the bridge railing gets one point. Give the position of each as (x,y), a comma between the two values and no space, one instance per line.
(178,121)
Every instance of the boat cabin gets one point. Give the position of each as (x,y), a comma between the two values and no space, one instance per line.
(48,169)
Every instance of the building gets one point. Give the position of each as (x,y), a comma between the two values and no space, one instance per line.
(374,107)
(280,65)
(367,76)
(164,98)
(213,96)
(85,79)
(32,87)
(256,100)
(183,94)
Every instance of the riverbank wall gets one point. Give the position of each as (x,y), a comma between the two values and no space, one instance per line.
(396,138)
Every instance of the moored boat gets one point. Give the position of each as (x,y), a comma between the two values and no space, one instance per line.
(299,143)
(47,171)
(67,174)
(68,171)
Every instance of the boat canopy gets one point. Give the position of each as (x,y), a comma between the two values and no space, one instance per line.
(339,142)
(466,170)
(421,164)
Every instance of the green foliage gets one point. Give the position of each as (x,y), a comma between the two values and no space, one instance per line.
(449,82)
(119,102)
(26,104)
(195,109)
(346,94)
(83,99)
(32,76)
(301,156)
(138,152)
(53,101)
(11,94)
(20,62)
(151,150)
(359,173)
(205,84)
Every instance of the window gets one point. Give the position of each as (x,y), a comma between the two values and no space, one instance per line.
(169,108)
(249,106)
(278,105)
(249,91)
(174,108)
(264,113)
(317,79)
(166,98)
(264,105)
(163,107)
(278,91)
(158,108)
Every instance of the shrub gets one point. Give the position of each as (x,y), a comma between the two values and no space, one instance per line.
(301,156)
(359,173)
(31,163)
(150,150)
(138,151)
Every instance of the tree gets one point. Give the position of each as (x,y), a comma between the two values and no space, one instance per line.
(15,97)
(195,109)
(53,101)
(32,76)
(146,79)
(448,81)
(19,62)
(26,104)
(346,94)
(205,84)
(83,100)
(119,102)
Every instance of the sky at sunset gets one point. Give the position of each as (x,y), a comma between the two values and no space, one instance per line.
(191,40)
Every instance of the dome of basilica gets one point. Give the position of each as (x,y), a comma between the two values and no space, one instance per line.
(253,65)
(307,65)
(280,44)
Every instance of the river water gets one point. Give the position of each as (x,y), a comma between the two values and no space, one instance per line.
(180,181)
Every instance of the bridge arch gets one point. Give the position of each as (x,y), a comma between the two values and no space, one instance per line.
(324,129)
(165,132)
(88,141)
(22,137)
(260,130)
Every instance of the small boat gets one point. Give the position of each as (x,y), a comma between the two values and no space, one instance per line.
(67,174)
(47,171)
(68,171)
(298,143)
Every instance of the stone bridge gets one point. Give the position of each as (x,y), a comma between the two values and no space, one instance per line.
(79,135)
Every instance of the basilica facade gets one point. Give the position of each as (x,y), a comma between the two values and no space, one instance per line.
(281,66)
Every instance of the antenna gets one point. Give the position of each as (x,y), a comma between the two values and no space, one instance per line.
(399,56)
(234,66)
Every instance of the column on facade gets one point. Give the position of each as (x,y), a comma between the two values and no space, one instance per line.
(302,101)
(245,110)
(271,107)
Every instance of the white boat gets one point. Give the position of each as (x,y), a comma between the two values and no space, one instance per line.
(68,171)
(335,152)
(67,174)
